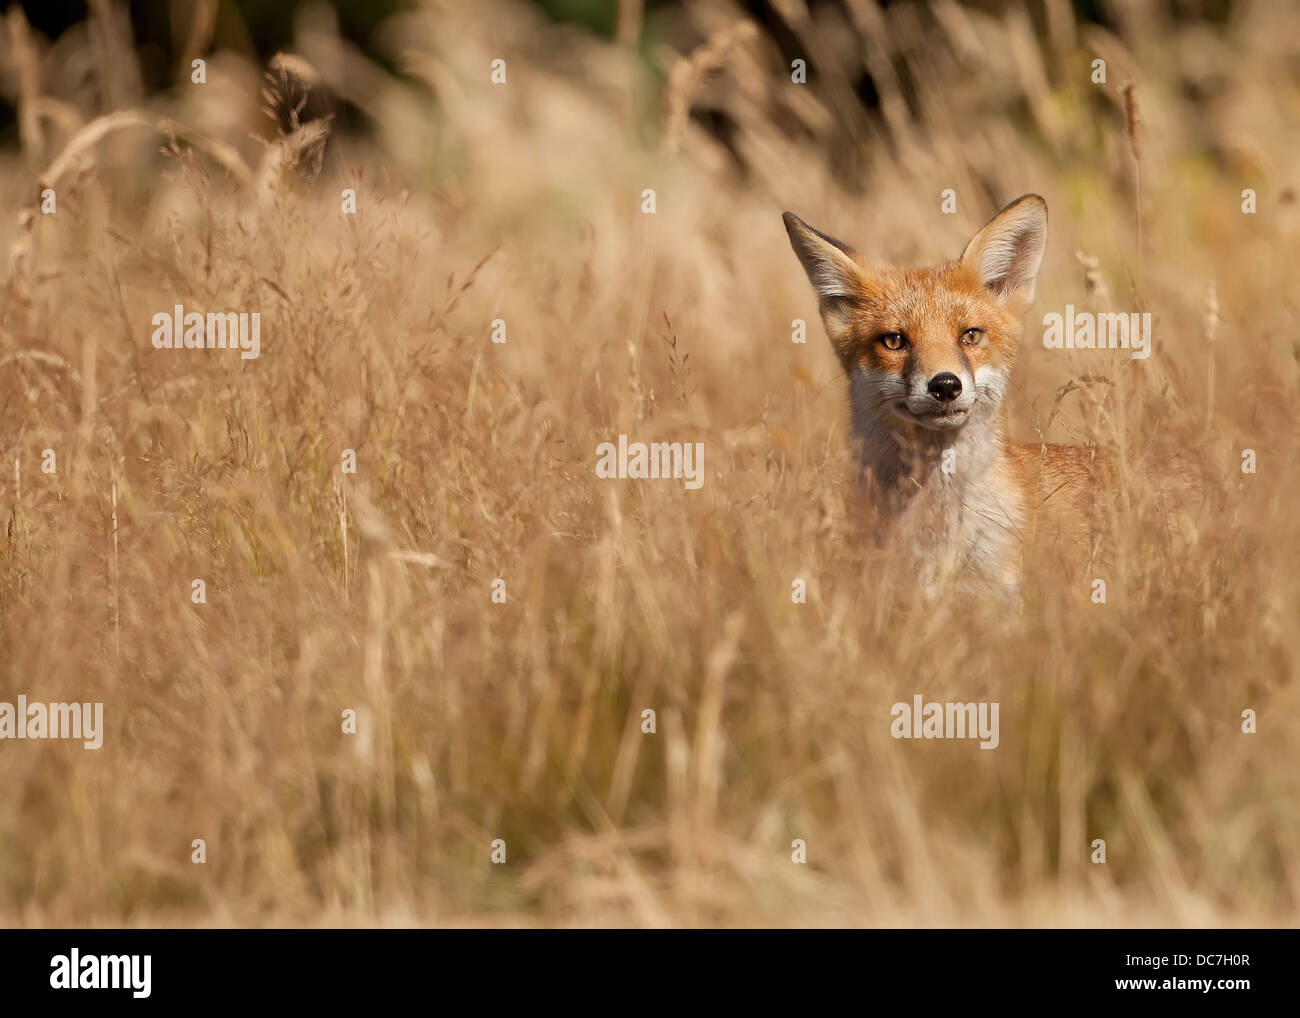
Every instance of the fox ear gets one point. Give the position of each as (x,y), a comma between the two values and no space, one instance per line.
(828,262)
(1006,254)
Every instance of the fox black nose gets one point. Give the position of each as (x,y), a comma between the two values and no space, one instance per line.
(945,386)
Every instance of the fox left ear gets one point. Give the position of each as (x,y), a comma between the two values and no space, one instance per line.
(1006,254)
(828,262)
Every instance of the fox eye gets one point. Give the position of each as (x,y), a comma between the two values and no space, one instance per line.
(893,341)
(972,337)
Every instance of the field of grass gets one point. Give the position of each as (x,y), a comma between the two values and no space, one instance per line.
(475,461)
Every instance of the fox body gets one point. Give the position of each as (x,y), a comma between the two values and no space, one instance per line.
(928,353)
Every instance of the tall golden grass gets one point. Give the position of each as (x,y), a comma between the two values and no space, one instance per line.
(522,721)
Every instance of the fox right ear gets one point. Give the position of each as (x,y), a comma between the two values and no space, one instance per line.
(829,263)
(1006,254)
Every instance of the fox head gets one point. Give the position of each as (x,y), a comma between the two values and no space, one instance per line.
(929,347)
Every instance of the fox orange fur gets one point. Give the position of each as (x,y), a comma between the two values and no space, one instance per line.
(928,353)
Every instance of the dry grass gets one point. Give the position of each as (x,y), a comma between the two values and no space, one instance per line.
(476,462)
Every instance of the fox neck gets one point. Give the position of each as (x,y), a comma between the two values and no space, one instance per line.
(904,462)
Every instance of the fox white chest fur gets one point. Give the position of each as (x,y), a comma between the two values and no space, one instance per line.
(947,495)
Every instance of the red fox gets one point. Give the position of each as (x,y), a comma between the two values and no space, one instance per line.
(928,352)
